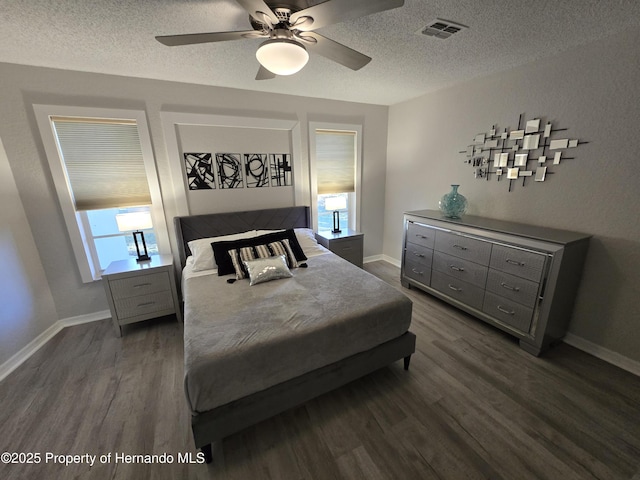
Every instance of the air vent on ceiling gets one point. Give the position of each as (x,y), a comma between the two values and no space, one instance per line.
(442,28)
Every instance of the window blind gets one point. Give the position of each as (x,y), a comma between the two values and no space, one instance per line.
(335,161)
(103,162)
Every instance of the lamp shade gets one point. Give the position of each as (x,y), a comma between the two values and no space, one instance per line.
(128,222)
(282,56)
(335,203)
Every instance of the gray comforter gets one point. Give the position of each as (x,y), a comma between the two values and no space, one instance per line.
(241,339)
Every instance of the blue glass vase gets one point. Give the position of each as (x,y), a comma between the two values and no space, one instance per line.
(453,204)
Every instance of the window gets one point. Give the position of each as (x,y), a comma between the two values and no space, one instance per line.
(110,243)
(335,173)
(102,167)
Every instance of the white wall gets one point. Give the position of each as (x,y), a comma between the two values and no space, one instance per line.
(24,86)
(26,304)
(594,92)
(216,139)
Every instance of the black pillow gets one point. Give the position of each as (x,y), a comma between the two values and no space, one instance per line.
(223,259)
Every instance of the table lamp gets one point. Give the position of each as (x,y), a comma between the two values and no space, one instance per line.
(335,204)
(136,222)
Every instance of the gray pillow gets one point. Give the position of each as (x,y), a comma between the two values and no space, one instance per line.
(266,269)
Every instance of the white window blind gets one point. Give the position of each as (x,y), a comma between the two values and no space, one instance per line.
(335,161)
(103,162)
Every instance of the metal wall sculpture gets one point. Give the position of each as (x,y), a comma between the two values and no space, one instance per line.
(526,152)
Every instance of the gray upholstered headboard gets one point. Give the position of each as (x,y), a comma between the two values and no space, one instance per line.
(216,224)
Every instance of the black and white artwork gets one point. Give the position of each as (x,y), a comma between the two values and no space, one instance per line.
(229,170)
(256,170)
(199,168)
(280,169)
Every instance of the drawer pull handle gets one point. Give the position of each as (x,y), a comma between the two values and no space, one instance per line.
(424,237)
(457,269)
(455,289)
(514,262)
(459,247)
(509,287)
(421,255)
(417,272)
(145,304)
(142,285)
(504,310)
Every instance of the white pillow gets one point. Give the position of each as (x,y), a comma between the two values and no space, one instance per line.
(202,251)
(308,243)
(306,237)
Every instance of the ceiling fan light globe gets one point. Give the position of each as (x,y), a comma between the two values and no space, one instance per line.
(282,56)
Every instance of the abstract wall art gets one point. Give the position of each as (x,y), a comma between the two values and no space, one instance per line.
(199,169)
(229,169)
(256,170)
(280,169)
(524,152)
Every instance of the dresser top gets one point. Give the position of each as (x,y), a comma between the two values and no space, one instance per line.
(502,226)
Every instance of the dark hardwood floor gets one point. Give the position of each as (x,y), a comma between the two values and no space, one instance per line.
(472,405)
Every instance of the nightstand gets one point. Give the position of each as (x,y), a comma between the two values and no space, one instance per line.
(348,244)
(140,291)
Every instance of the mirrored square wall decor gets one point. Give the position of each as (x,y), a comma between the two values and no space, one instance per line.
(528,152)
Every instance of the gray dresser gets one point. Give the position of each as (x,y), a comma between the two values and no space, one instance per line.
(519,278)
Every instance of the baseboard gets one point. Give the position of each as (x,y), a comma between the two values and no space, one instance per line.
(34,345)
(393,261)
(383,258)
(602,353)
(372,258)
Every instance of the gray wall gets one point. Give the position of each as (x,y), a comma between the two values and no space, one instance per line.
(23,86)
(594,91)
(26,304)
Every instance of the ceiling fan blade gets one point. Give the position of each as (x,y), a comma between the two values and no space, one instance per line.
(256,6)
(264,74)
(335,51)
(194,38)
(335,11)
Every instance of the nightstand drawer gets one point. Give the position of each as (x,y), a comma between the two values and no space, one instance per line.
(140,285)
(144,304)
(349,250)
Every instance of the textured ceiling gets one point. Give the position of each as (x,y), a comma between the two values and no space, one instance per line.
(117,37)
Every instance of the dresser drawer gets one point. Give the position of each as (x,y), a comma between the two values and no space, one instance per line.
(508,312)
(140,285)
(420,235)
(419,254)
(464,292)
(144,304)
(460,268)
(514,288)
(523,263)
(464,247)
(418,271)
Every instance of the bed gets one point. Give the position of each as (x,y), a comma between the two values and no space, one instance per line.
(253,351)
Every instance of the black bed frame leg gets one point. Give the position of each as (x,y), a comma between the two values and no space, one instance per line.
(208,454)
(407,360)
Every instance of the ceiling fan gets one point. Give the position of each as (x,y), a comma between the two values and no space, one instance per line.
(289,32)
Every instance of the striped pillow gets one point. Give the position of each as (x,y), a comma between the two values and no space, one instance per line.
(244,254)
